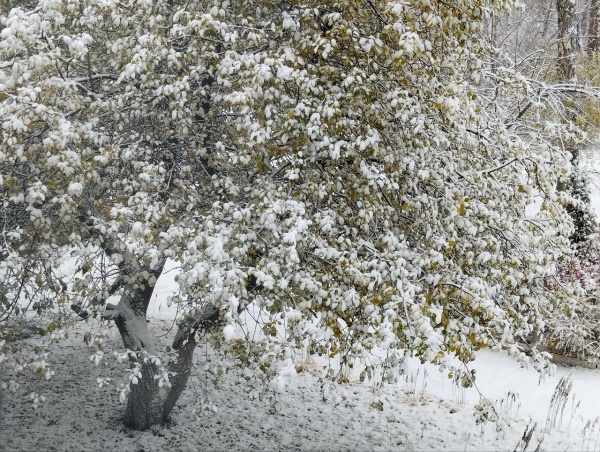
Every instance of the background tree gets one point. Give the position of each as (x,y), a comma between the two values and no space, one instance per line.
(578,186)
(566,39)
(538,57)
(592,29)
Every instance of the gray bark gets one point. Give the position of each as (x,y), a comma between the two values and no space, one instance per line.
(144,406)
(185,344)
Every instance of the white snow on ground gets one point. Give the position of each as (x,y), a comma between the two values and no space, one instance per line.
(424,411)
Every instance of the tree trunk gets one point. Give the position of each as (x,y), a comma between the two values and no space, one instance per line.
(592,31)
(182,368)
(144,407)
(583,219)
(566,39)
(1,404)
(148,404)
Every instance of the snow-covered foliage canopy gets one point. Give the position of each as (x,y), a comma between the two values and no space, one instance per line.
(330,163)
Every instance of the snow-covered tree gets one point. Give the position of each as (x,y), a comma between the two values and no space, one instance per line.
(330,166)
(102,164)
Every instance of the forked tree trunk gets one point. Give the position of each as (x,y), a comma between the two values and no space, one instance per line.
(148,404)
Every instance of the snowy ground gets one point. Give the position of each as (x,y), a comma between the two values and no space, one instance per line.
(424,411)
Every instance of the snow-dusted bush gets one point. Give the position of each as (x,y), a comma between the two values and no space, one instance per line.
(322,172)
(574,329)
